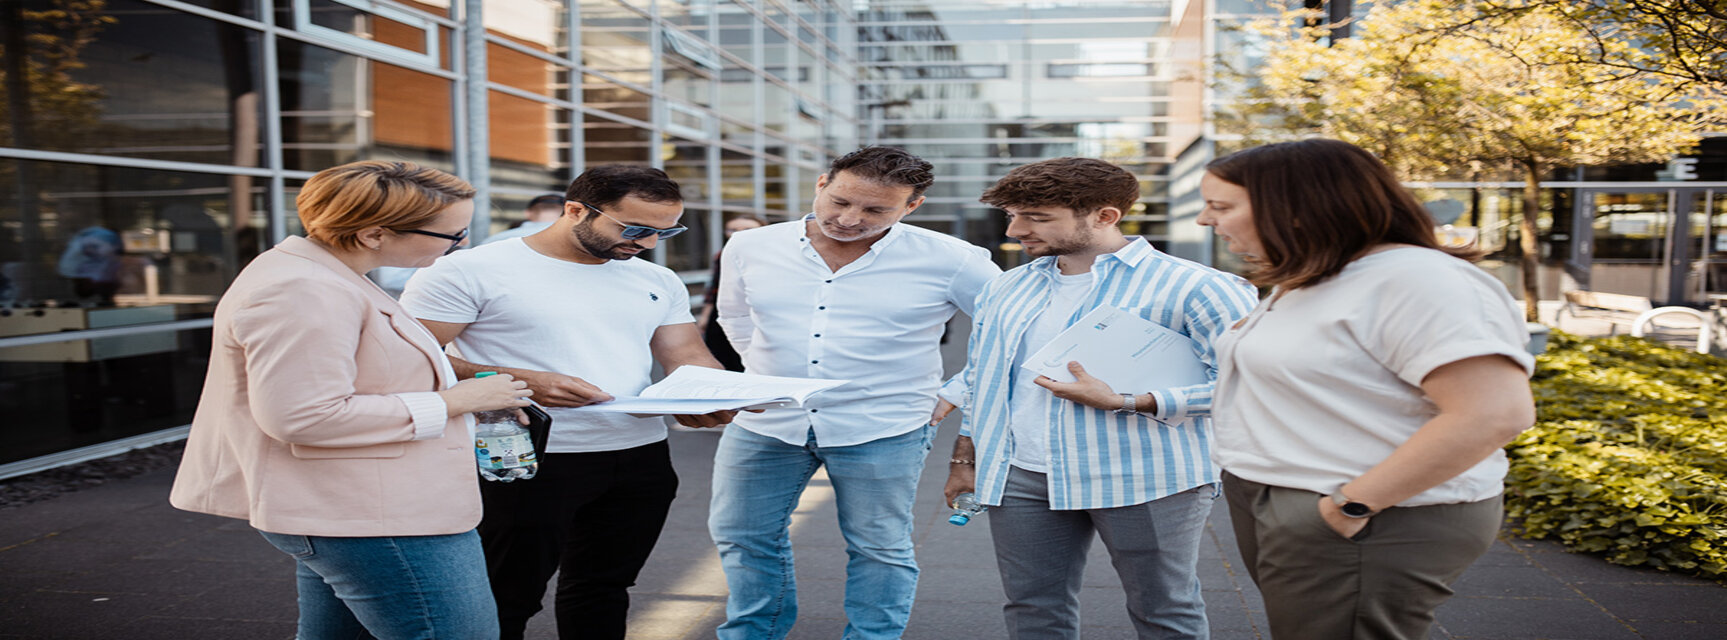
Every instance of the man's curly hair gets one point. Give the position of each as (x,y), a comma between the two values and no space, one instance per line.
(1081,184)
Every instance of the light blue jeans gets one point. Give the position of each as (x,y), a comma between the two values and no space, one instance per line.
(1154,547)
(757,482)
(391,588)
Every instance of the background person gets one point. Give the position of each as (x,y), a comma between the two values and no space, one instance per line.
(542,211)
(1362,407)
(569,311)
(331,421)
(92,262)
(1060,463)
(712,334)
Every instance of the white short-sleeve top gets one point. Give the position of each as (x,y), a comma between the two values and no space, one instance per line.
(1319,385)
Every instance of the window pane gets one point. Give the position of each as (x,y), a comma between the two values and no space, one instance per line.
(136,81)
(95,235)
(529,145)
(338,108)
(614,38)
(605,95)
(83,392)
(612,142)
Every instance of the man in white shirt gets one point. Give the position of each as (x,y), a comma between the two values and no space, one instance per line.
(542,212)
(846,292)
(567,302)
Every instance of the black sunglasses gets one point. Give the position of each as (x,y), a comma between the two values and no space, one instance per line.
(636,231)
(455,240)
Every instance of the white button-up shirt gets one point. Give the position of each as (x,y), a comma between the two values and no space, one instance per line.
(876,322)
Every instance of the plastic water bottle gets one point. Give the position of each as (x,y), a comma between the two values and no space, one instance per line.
(965,506)
(502,446)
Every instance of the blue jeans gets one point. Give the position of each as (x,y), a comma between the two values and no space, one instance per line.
(1154,547)
(405,587)
(757,481)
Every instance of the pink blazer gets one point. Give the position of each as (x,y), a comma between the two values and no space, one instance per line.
(304,426)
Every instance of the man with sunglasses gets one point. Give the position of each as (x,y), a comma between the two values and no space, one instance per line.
(570,312)
(846,292)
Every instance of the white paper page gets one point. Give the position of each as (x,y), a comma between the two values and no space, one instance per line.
(702,382)
(1130,353)
(699,390)
(641,407)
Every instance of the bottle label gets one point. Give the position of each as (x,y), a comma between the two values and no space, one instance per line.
(504,452)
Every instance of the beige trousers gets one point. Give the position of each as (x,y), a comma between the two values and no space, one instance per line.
(1384,583)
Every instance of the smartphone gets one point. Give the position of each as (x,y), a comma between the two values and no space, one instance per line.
(539,429)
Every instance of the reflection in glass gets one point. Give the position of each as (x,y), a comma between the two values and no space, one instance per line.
(127,79)
(614,142)
(180,236)
(526,149)
(614,38)
(83,392)
(605,95)
(338,108)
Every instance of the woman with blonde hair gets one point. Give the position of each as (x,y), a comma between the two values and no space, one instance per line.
(1361,408)
(332,422)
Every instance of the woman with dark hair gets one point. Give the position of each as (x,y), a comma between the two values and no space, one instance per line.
(332,422)
(712,334)
(1361,408)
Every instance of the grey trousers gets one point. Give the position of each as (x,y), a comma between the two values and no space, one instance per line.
(1383,583)
(1154,547)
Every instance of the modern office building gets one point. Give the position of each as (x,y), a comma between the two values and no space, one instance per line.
(148,149)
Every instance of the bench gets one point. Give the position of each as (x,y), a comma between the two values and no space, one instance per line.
(1615,308)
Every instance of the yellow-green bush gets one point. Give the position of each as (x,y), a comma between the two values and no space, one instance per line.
(1628,456)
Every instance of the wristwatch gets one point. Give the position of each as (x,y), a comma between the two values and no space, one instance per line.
(1128,404)
(1351,508)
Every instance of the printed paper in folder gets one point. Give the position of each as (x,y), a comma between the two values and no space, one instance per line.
(1130,353)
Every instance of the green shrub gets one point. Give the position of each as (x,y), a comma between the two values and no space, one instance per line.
(1628,456)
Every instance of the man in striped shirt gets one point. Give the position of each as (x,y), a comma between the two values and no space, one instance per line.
(1057,461)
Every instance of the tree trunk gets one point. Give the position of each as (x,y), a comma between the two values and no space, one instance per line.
(1527,240)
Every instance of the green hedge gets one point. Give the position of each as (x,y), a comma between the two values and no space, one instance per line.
(1628,456)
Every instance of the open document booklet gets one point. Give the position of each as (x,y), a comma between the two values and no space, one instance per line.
(1130,353)
(697,390)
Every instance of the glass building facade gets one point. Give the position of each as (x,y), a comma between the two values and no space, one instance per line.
(148,150)
(979,87)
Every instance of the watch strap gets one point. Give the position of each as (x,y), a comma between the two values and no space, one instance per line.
(1129,404)
(1351,508)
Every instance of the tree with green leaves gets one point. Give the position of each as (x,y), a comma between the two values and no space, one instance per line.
(1451,88)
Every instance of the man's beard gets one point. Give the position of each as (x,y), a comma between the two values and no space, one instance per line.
(600,246)
(1067,246)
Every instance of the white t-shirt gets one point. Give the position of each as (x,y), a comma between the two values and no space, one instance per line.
(1030,419)
(531,311)
(1322,384)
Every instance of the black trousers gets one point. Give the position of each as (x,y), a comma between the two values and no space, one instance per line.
(592,518)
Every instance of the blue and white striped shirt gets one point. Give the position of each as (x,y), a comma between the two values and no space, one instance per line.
(1100,459)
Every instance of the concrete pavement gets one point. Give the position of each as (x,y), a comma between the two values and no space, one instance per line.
(116,562)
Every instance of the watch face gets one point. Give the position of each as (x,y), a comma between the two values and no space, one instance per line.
(1356,510)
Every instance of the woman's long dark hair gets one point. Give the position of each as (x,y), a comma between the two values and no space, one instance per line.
(1318,204)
